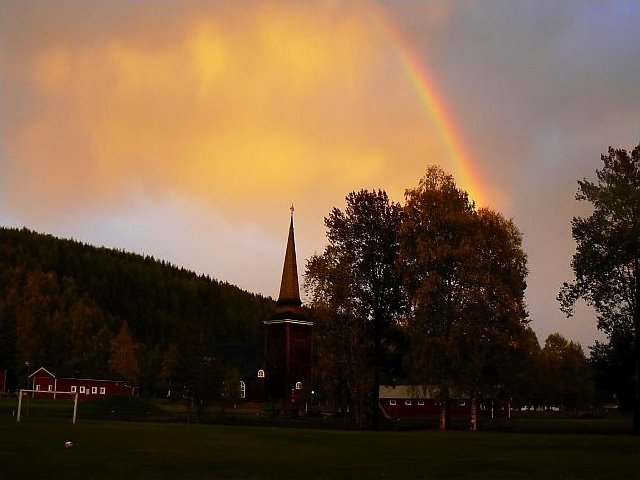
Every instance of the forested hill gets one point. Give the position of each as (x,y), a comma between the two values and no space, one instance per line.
(77,308)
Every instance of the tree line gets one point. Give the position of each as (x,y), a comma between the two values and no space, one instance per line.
(432,293)
(90,311)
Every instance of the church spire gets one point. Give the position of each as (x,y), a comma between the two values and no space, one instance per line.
(289,287)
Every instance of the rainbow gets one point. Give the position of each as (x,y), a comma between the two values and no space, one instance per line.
(432,99)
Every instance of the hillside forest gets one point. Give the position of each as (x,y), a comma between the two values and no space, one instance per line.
(97,312)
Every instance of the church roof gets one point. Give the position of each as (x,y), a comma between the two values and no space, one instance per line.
(289,287)
(289,305)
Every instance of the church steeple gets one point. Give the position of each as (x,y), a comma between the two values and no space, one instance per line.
(288,340)
(289,286)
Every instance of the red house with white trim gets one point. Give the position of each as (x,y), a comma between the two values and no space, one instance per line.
(419,400)
(424,400)
(45,384)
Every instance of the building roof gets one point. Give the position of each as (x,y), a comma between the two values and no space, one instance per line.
(289,306)
(289,287)
(427,392)
(66,376)
(42,370)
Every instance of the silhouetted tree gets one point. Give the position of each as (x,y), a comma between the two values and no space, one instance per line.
(565,374)
(355,281)
(434,239)
(606,264)
(493,320)
(464,277)
(612,365)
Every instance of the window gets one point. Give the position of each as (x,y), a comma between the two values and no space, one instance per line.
(298,385)
(50,388)
(260,373)
(243,389)
(420,402)
(37,387)
(103,390)
(407,402)
(94,389)
(392,402)
(73,389)
(81,389)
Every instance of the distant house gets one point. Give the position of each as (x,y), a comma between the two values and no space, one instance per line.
(46,384)
(419,400)
(424,400)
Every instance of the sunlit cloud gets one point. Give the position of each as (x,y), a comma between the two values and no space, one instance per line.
(279,104)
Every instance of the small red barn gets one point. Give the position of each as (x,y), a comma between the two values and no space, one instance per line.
(45,384)
(419,400)
(424,400)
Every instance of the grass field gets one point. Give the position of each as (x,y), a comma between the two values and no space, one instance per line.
(114,449)
(105,447)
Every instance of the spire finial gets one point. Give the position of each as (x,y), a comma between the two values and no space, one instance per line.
(292,209)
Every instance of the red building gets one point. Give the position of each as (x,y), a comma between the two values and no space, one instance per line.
(46,384)
(423,401)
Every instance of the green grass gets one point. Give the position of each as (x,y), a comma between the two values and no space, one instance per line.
(113,449)
(248,445)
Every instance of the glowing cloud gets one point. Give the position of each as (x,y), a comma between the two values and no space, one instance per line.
(245,108)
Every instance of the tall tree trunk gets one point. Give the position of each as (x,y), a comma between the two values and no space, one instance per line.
(474,413)
(636,389)
(444,409)
(375,397)
(636,349)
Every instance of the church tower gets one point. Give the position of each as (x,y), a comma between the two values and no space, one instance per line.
(288,342)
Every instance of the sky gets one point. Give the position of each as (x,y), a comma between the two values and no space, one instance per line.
(185,130)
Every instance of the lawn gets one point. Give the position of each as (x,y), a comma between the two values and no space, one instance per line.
(115,449)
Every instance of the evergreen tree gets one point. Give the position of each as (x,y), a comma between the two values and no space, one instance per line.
(123,361)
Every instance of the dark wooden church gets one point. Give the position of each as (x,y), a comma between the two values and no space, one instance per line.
(288,339)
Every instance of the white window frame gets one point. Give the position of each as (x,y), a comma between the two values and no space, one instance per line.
(74,389)
(392,402)
(103,391)
(37,387)
(260,373)
(298,385)
(94,390)
(82,389)
(407,402)
(50,388)
(243,389)
(420,402)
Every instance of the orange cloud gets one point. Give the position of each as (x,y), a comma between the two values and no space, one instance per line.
(51,69)
(245,111)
